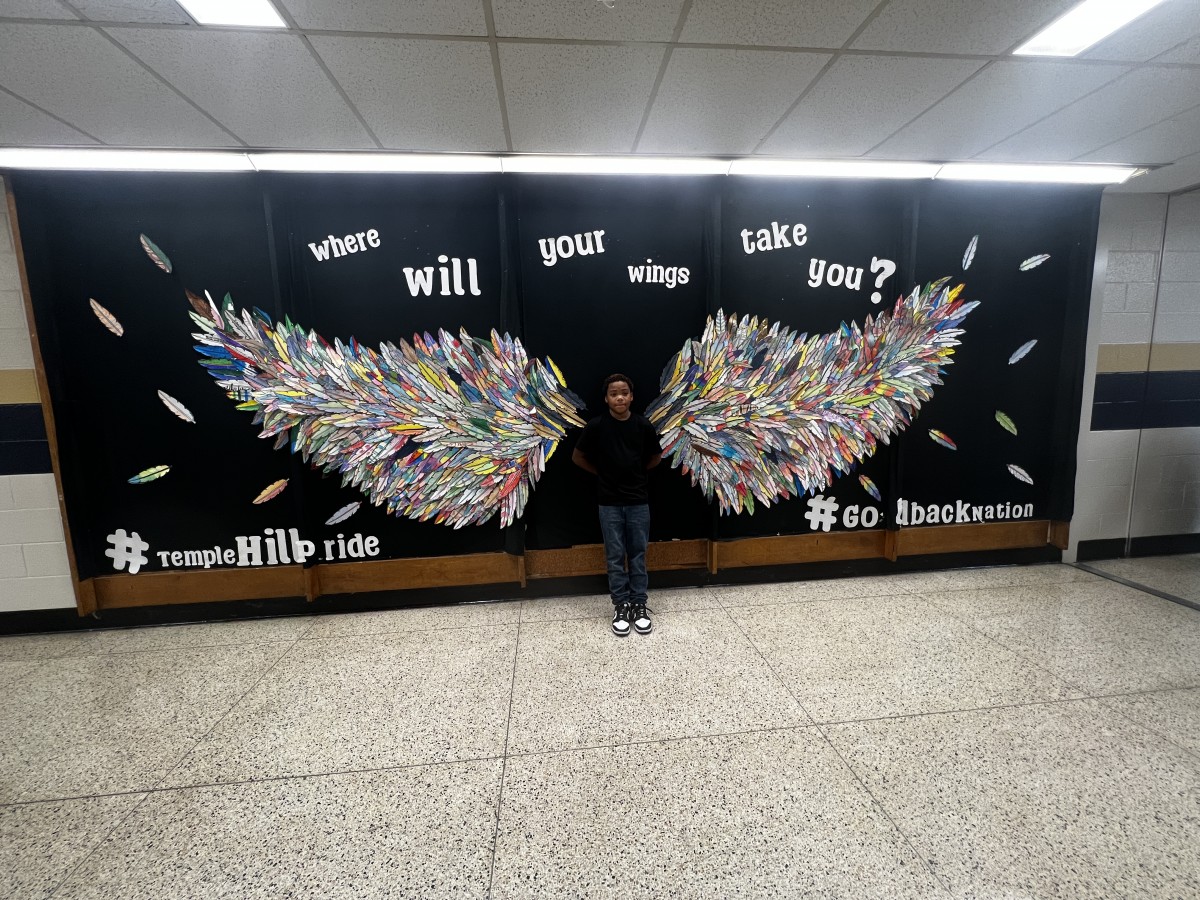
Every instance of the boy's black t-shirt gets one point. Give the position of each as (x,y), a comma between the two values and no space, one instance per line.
(619,450)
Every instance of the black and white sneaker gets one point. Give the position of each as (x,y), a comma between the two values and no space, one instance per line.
(620,624)
(641,619)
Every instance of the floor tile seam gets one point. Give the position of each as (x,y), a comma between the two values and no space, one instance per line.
(1148,728)
(242,782)
(180,649)
(512,690)
(854,774)
(678,739)
(37,664)
(367,634)
(225,715)
(1051,701)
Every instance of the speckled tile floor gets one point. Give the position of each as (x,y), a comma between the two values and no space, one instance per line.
(1008,733)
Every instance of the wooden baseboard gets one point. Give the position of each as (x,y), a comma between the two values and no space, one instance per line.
(203,586)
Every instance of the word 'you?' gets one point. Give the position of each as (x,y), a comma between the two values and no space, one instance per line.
(820,271)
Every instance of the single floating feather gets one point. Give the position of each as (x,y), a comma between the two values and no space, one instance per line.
(160,259)
(176,407)
(1034,261)
(1020,474)
(869,487)
(344,513)
(1005,422)
(151,474)
(1022,351)
(969,256)
(943,439)
(107,319)
(271,490)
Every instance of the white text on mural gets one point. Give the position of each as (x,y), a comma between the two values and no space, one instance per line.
(449,278)
(344,246)
(567,245)
(654,274)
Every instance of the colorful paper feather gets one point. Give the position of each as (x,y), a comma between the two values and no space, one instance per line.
(271,491)
(940,437)
(1005,422)
(107,319)
(1034,261)
(969,256)
(1021,352)
(1020,474)
(344,513)
(160,259)
(753,411)
(448,430)
(176,407)
(151,474)
(869,487)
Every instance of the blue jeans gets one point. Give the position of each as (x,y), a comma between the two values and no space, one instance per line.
(626,532)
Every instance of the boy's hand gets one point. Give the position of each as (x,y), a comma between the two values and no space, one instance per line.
(582,461)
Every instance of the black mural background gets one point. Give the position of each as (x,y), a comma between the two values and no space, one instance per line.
(248,235)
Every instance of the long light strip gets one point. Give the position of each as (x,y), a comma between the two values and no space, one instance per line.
(247,13)
(234,161)
(1079,28)
(124,160)
(374,162)
(1044,174)
(832,168)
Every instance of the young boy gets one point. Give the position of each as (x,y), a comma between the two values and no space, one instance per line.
(620,447)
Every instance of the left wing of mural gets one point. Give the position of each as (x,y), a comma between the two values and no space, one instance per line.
(449,430)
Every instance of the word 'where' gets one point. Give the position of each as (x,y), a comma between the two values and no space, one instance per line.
(344,246)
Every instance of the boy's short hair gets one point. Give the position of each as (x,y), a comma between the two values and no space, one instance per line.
(615,377)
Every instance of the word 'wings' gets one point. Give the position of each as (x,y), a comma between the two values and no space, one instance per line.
(449,430)
(752,410)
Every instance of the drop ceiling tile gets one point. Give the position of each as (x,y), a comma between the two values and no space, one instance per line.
(775,23)
(643,20)
(958,26)
(34,9)
(725,101)
(1143,97)
(153,11)
(401,16)
(1183,175)
(1159,30)
(77,74)
(863,99)
(419,94)
(577,99)
(1001,99)
(21,123)
(266,88)
(1162,143)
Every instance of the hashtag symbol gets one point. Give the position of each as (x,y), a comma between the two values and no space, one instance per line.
(127,548)
(821,511)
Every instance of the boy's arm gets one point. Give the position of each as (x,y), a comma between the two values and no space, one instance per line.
(580,460)
(654,460)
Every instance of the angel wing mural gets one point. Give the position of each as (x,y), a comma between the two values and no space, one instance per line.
(754,410)
(449,430)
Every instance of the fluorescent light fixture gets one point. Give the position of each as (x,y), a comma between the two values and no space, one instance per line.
(832,168)
(1081,174)
(248,13)
(124,160)
(374,162)
(616,165)
(1079,28)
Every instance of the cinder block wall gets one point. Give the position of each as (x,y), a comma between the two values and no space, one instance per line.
(33,554)
(1139,447)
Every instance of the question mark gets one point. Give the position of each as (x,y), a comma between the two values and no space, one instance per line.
(886,269)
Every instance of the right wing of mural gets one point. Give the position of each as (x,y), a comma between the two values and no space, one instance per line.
(752,410)
(449,430)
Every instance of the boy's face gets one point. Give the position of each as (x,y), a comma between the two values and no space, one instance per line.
(617,398)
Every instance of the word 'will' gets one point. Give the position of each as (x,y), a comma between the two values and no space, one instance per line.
(651,274)
(420,281)
(566,246)
(344,246)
